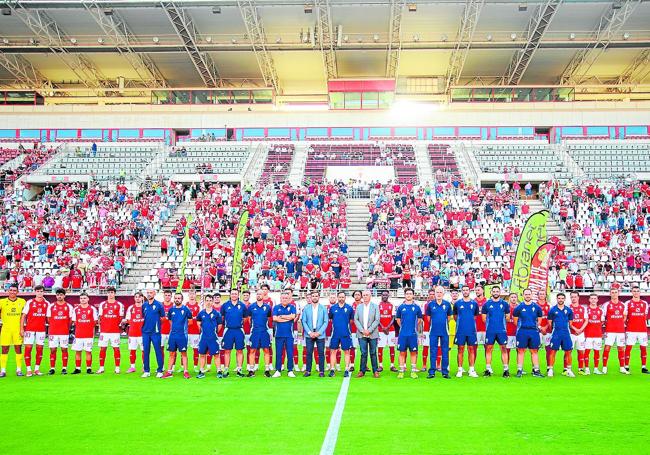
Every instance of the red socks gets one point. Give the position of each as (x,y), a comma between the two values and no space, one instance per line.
(621,357)
(28,356)
(644,354)
(195,356)
(295,354)
(425,356)
(52,357)
(392,354)
(132,356)
(102,357)
(117,355)
(39,354)
(64,357)
(606,355)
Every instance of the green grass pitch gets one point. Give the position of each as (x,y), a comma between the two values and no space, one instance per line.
(127,414)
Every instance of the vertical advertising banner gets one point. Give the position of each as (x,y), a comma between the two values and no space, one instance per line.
(539,268)
(239,244)
(532,237)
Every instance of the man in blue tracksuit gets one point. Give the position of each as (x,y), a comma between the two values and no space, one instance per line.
(439,312)
(283,317)
(233,312)
(152,312)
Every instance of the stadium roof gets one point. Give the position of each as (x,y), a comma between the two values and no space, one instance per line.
(296,46)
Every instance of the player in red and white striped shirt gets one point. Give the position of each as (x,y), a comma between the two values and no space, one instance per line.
(614,316)
(84,333)
(134,318)
(593,333)
(33,324)
(60,316)
(637,328)
(577,327)
(111,313)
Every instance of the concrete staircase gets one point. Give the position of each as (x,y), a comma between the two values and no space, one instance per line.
(425,173)
(150,256)
(553,229)
(357,217)
(297,170)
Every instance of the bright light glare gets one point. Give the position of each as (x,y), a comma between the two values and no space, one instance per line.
(413,110)
(297,107)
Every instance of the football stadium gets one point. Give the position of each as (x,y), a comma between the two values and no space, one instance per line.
(324,226)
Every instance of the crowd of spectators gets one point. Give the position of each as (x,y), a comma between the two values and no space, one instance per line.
(448,234)
(77,237)
(607,224)
(295,238)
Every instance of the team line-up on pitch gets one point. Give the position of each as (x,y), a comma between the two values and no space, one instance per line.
(213,329)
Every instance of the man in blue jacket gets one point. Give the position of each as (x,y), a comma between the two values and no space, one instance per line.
(152,312)
(314,323)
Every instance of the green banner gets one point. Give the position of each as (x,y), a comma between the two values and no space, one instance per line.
(239,243)
(186,252)
(532,237)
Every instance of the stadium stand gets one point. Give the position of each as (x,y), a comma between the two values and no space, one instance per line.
(611,159)
(277,164)
(108,163)
(401,156)
(607,224)
(504,158)
(79,238)
(197,158)
(443,161)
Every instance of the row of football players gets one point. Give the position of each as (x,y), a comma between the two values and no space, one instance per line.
(624,326)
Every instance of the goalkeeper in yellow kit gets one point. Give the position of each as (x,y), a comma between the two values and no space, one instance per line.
(11,308)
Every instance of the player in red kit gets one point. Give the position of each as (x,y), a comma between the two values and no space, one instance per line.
(577,327)
(614,316)
(386,331)
(134,318)
(511,326)
(60,316)
(637,329)
(111,313)
(193,330)
(33,324)
(165,325)
(85,317)
(593,333)
(545,327)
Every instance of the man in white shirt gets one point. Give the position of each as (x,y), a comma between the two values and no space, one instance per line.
(366,319)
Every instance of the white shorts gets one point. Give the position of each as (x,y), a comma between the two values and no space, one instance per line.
(31,338)
(511,343)
(109,338)
(424,339)
(386,340)
(632,338)
(578,341)
(58,341)
(355,340)
(480,337)
(135,343)
(328,340)
(297,339)
(615,338)
(247,339)
(83,344)
(164,338)
(193,341)
(545,340)
(594,343)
